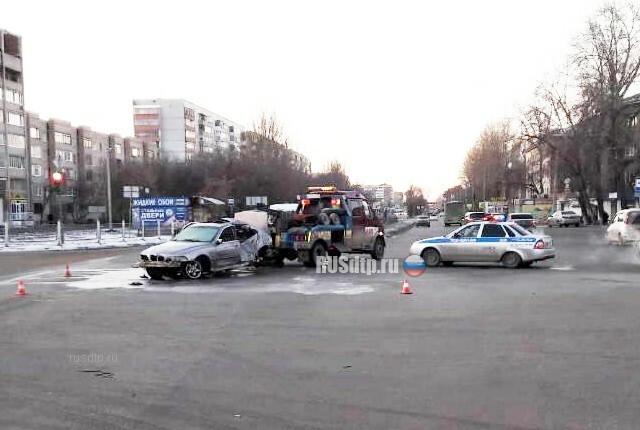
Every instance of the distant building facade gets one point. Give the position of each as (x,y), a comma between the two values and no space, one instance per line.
(179,130)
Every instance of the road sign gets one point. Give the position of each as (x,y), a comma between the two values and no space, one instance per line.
(637,187)
(230,201)
(130,191)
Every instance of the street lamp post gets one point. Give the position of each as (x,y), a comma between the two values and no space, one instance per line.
(508,186)
(109,188)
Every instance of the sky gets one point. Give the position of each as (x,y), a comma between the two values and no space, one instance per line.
(396,91)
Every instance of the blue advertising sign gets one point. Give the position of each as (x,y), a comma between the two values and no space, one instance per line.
(163,209)
(637,187)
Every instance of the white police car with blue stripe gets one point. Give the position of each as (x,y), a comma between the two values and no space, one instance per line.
(504,242)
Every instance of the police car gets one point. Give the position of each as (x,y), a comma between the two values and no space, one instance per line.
(504,242)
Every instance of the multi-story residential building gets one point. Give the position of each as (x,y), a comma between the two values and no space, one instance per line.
(180,129)
(14,177)
(38,165)
(133,150)
(62,140)
(116,145)
(384,194)
(93,150)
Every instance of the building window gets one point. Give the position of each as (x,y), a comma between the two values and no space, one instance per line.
(36,151)
(87,143)
(62,138)
(190,134)
(13,96)
(118,149)
(88,160)
(630,151)
(37,191)
(146,121)
(16,140)
(135,152)
(16,162)
(633,121)
(15,119)
(64,155)
(146,111)
(34,133)
(36,170)
(1,116)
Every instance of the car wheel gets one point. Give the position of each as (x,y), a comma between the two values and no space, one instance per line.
(511,260)
(317,250)
(155,273)
(431,257)
(196,268)
(378,249)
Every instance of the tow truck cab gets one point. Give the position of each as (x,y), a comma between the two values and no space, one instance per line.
(331,222)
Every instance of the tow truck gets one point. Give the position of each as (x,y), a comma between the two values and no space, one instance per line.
(329,222)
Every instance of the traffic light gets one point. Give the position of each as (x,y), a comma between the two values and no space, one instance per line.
(57,180)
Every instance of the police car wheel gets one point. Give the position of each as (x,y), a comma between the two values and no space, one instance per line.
(431,257)
(511,260)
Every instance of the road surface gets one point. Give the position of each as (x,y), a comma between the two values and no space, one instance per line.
(556,346)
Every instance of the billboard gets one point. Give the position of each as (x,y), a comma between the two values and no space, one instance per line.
(150,210)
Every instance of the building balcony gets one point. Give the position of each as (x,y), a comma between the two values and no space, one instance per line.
(13,63)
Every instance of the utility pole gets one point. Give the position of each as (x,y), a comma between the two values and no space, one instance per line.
(109,187)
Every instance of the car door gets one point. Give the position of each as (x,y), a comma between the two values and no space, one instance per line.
(227,251)
(359,223)
(462,243)
(492,243)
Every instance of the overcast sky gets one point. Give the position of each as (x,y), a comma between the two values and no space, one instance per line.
(395,90)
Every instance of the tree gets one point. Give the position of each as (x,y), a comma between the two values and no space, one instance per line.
(414,198)
(334,174)
(485,168)
(581,124)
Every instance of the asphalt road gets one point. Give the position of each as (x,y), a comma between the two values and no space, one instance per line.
(555,346)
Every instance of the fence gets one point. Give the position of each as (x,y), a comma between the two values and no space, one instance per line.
(58,234)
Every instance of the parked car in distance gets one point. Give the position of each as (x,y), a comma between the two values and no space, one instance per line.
(473,217)
(523,219)
(625,227)
(423,221)
(564,219)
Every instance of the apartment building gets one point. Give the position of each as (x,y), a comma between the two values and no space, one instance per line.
(179,129)
(37,165)
(14,177)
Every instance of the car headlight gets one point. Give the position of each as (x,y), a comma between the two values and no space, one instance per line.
(178,258)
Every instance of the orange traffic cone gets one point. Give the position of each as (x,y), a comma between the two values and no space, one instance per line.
(22,291)
(405,287)
(67,273)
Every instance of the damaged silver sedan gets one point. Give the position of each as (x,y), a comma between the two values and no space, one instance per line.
(205,248)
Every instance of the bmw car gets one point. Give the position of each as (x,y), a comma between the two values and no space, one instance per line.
(204,248)
(499,242)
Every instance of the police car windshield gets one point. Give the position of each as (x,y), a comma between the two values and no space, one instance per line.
(197,233)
